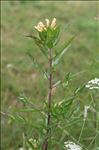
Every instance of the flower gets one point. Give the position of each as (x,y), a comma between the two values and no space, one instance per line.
(47,22)
(53,24)
(42,27)
(93,84)
(71,146)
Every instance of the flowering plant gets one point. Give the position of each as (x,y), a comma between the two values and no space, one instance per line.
(47,39)
(57,116)
(48,33)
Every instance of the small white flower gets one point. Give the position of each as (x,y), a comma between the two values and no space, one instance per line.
(40,24)
(93,84)
(47,22)
(71,146)
(40,27)
(53,24)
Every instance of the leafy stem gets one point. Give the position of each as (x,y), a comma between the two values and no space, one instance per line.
(48,130)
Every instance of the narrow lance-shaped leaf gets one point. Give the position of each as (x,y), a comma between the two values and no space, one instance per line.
(62,107)
(25,100)
(36,65)
(39,44)
(49,39)
(66,80)
(29,110)
(20,118)
(32,110)
(62,52)
(57,83)
(56,35)
(46,75)
(79,89)
(30,144)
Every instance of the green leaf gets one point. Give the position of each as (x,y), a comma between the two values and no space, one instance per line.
(62,107)
(57,83)
(23,98)
(56,35)
(32,110)
(39,66)
(30,144)
(39,43)
(57,58)
(46,75)
(35,64)
(56,32)
(49,34)
(68,78)
(11,119)
(28,110)
(79,89)
(43,35)
(20,118)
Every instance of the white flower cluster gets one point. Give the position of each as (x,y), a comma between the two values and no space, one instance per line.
(93,84)
(71,146)
(41,27)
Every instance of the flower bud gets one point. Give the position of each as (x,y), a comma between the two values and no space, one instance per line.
(47,22)
(38,28)
(53,24)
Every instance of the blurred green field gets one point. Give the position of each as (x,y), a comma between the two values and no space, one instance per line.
(18,74)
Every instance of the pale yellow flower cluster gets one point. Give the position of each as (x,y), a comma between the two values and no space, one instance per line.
(41,27)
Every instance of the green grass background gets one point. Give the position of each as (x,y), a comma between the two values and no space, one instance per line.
(17,20)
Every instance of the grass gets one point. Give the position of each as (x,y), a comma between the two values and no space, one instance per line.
(18,19)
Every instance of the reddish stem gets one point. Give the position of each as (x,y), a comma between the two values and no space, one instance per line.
(48,130)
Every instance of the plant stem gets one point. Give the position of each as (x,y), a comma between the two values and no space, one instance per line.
(48,130)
